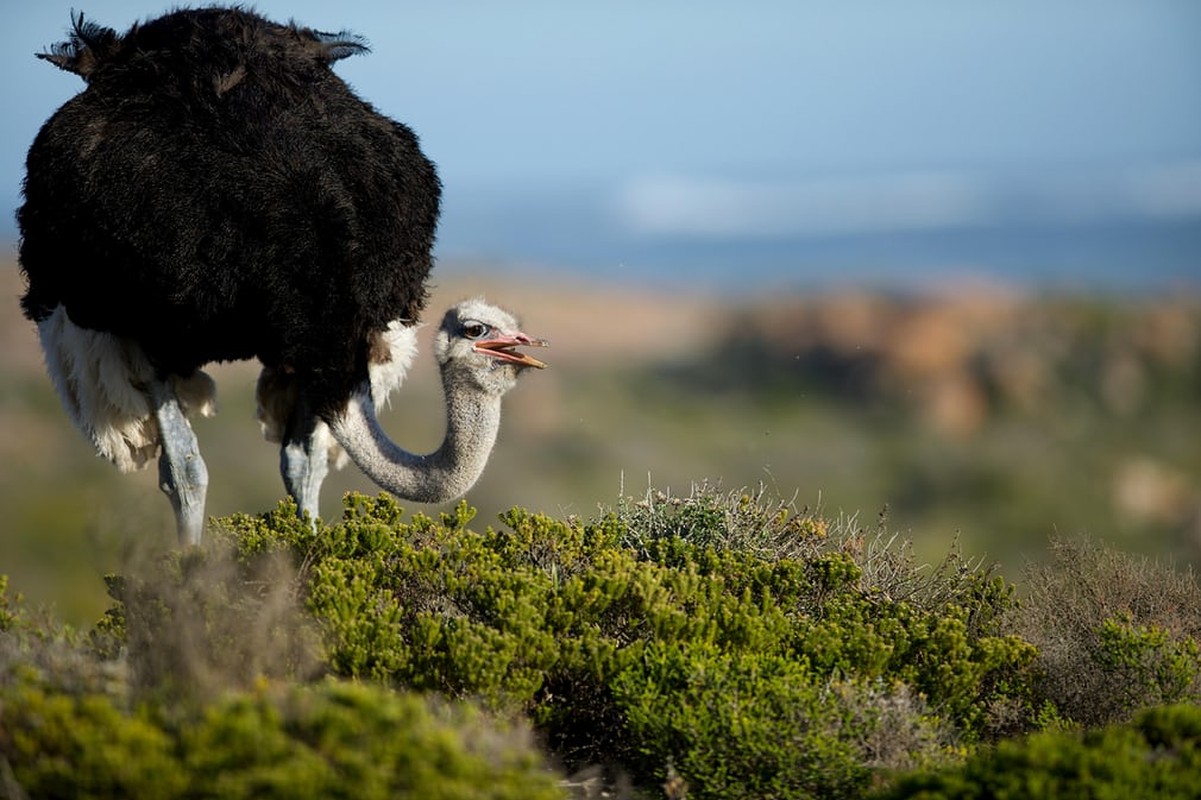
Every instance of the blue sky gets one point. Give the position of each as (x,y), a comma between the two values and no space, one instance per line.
(682,118)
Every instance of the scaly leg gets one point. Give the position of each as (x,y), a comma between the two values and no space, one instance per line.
(182,475)
(304,458)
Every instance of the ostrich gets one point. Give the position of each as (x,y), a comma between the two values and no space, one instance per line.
(216,193)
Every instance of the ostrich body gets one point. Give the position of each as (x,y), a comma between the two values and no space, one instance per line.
(217,193)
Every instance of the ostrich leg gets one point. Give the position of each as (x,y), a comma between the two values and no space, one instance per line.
(182,475)
(304,458)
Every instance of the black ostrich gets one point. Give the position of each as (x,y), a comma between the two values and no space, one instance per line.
(217,193)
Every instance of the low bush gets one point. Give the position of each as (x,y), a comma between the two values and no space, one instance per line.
(79,720)
(745,725)
(331,739)
(1115,633)
(682,641)
(1159,756)
(715,645)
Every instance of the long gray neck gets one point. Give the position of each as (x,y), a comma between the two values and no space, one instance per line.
(472,422)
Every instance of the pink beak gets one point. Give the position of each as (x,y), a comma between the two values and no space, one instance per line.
(501,347)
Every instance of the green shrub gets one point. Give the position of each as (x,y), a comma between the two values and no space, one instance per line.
(328,740)
(724,643)
(356,741)
(1152,667)
(64,745)
(626,646)
(1158,756)
(92,716)
(727,644)
(746,725)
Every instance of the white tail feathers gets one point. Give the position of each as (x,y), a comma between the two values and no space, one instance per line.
(103,380)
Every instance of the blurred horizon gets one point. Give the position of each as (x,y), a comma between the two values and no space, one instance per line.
(766,145)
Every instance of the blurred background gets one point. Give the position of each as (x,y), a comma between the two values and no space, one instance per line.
(933,262)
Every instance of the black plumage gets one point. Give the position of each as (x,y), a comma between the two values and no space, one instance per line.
(216,192)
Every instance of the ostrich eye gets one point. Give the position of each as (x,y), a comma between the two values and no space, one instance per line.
(474,330)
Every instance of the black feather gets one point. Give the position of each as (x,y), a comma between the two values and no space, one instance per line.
(342,44)
(89,44)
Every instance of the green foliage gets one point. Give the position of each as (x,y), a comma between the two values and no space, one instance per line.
(60,745)
(357,741)
(678,642)
(1151,666)
(749,725)
(328,740)
(722,645)
(163,700)
(1159,756)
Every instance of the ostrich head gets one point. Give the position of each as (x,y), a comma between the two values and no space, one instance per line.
(476,351)
(475,348)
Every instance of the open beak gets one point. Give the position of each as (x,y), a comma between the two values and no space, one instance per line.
(501,347)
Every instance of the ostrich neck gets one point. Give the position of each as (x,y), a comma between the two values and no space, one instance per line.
(472,422)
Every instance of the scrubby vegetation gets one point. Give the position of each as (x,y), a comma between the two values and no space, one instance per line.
(713,645)
(1158,756)
(74,721)
(1115,633)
